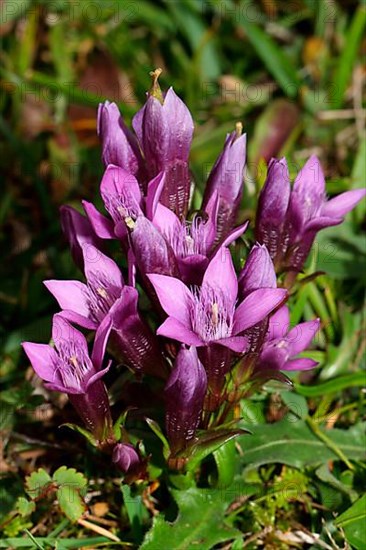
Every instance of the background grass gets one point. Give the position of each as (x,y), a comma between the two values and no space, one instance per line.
(292,73)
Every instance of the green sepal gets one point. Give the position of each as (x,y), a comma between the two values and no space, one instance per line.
(82,431)
(154,426)
(208,442)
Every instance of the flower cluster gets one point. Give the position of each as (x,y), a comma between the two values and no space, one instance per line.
(189,329)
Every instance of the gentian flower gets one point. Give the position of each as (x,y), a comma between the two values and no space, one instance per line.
(119,144)
(193,241)
(106,295)
(258,272)
(78,231)
(226,178)
(67,368)
(283,345)
(288,220)
(164,130)
(209,318)
(184,396)
(122,199)
(126,458)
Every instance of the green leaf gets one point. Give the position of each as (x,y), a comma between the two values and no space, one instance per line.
(66,475)
(226,460)
(332,386)
(353,522)
(296,403)
(70,486)
(37,483)
(200,522)
(25,507)
(294,444)
(136,511)
(71,502)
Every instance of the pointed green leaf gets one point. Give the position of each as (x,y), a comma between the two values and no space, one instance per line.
(353,522)
(293,443)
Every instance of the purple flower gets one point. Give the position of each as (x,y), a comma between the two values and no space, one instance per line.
(283,345)
(88,304)
(287,221)
(258,272)
(226,178)
(272,207)
(122,199)
(126,458)
(78,231)
(67,368)
(208,316)
(184,395)
(105,295)
(164,128)
(120,146)
(192,241)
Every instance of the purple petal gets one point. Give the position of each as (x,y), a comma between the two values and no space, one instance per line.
(272,205)
(180,125)
(102,226)
(100,342)
(78,230)
(172,328)
(70,295)
(238,344)
(154,190)
(63,333)
(99,267)
(120,146)
(192,268)
(256,307)
(274,356)
(235,234)
(279,323)
(152,252)
(310,182)
(97,376)
(166,221)
(220,274)
(321,222)
(78,319)
(125,457)
(175,298)
(188,381)
(300,337)
(43,359)
(258,271)
(344,203)
(303,363)
(125,307)
(226,176)
(115,180)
